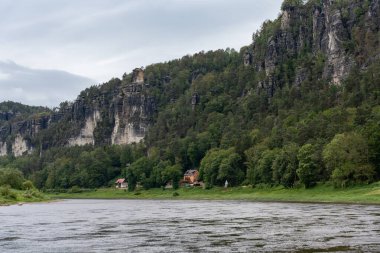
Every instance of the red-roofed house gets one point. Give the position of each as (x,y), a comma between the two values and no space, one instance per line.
(121,183)
(191,176)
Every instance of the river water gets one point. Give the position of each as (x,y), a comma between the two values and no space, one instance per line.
(188,226)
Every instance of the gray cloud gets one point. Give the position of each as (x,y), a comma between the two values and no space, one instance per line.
(38,87)
(101,39)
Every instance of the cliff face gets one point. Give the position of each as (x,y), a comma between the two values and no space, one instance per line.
(115,113)
(325,28)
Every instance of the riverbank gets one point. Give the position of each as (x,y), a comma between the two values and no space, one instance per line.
(20,197)
(369,194)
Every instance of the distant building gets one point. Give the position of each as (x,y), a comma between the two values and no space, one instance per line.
(191,176)
(121,183)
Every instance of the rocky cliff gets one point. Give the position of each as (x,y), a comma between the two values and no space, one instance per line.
(118,112)
(326,30)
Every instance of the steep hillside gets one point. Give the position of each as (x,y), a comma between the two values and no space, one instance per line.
(117,112)
(300,105)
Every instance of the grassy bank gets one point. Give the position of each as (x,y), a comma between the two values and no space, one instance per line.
(369,194)
(12,196)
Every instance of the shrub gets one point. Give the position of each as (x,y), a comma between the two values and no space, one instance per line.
(28,185)
(32,193)
(11,177)
(6,192)
(75,189)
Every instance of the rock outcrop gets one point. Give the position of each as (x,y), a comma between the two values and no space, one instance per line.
(118,112)
(324,28)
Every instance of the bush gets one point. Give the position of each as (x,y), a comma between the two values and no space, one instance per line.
(6,192)
(175,194)
(28,185)
(32,193)
(75,189)
(11,177)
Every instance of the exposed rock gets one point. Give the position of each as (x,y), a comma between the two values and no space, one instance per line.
(113,113)
(247,58)
(138,76)
(316,28)
(3,149)
(20,146)
(194,100)
(86,135)
(301,75)
(338,62)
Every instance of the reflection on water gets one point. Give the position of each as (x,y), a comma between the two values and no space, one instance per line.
(188,226)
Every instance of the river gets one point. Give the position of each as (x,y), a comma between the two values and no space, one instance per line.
(188,226)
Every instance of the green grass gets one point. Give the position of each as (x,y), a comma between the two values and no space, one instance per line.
(18,196)
(369,194)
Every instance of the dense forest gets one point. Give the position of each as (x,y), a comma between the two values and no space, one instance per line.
(267,115)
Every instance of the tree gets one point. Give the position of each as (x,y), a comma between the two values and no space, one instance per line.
(11,177)
(173,174)
(219,165)
(289,4)
(265,166)
(285,166)
(253,156)
(347,157)
(307,170)
(139,172)
(230,170)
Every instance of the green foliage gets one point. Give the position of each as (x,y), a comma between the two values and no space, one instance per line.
(7,192)
(32,193)
(290,4)
(308,165)
(285,166)
(220,165)
(172,174)
(75,189)
(11,177)
(347,157)
(28,185)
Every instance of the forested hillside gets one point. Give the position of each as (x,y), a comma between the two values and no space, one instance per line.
(298,106)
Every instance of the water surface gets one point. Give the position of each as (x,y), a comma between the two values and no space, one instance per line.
(188,226)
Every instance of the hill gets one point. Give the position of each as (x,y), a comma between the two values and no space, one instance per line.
(299,105)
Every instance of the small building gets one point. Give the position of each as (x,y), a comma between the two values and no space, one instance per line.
(191,176)
(121,183)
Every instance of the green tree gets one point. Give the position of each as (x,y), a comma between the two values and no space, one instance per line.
(307,170)
(11,177)
(285,165)
(139,172)
(172,174)
(219,165)
(347,157)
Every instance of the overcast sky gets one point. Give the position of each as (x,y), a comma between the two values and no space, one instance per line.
(50,50)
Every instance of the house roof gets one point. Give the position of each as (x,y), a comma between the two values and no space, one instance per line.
(120,181)
(190,172)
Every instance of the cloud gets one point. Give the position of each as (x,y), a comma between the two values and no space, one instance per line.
(37,86)
(103,39)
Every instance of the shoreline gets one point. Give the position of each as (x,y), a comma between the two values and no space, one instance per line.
(222,200)
(363,195)
(321,194)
